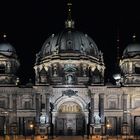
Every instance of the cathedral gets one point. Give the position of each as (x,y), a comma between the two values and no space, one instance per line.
(70,95)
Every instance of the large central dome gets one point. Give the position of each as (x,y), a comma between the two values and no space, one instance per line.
(69,41)
(69,58)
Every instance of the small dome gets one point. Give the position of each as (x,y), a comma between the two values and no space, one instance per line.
(69,41)
(131,50)
(7,49)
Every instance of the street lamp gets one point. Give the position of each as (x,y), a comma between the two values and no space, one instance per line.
(117,78)
(31,127)
(25,129)
(108,126)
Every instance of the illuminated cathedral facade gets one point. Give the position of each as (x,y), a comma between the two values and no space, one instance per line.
(70,96)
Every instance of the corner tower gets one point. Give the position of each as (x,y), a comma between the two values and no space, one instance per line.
(130,63)
(8,63)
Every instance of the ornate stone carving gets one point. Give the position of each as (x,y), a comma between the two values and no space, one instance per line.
(69,93)
(97,119)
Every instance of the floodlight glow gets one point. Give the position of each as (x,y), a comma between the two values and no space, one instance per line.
(117,76)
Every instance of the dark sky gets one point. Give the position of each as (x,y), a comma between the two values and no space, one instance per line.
(28,23)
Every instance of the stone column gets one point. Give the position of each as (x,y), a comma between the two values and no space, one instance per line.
(10,101)
(101,107)
(37,79)
(47,108)
(119,125)
(38,107)
(92,110)
(125,108)
(21,126)
(132,125)
(119,101)
(15,106)
(33,100)
(131,101)
(125,126)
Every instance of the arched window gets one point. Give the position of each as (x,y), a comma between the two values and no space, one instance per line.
(2,103)
(27,105)
(2,69)
(137,70)
(70,107)
(70,73)
(69,79)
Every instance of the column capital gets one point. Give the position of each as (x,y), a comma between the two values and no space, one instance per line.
(101,95)
(37,96)
(90,94)
(125,95)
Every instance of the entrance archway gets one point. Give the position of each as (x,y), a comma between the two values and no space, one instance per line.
(137,125)
(136,115)
(70,119)
(2,123)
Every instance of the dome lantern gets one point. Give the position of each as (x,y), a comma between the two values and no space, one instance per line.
(69,23)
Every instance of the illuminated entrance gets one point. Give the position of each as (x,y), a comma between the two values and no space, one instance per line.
(70,119)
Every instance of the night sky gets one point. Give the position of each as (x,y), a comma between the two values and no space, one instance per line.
(28,23)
